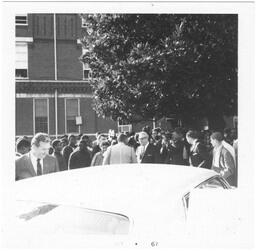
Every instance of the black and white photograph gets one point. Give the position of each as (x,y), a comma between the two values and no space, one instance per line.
(128,124)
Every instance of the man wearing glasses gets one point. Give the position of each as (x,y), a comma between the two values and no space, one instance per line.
(146,152)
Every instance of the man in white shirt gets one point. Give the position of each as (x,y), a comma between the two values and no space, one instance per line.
(223,162)
(37,161)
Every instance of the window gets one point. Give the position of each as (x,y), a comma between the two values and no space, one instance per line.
(86,71)
(86,68)
(21,60)
(70,219)
(41,115)
(72,111)
(21,19)
(83,22)
(86,74)
(125,128)
(215,182)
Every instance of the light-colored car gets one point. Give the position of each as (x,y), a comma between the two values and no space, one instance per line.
(120,205)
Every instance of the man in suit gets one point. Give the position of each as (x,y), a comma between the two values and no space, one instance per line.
(199,156)
(146,152)
(120,153)
(67,150)
(223,161)
(81,157)
(37,161)
(57,148)
(177,149)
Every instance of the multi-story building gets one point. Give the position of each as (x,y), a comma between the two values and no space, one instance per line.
(52,90)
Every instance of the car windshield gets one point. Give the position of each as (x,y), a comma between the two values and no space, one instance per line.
(69,219)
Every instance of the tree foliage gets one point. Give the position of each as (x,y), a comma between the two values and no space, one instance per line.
(151,65)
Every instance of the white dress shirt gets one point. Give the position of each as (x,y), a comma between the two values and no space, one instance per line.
(194,145)
(34,162)
(216,156)
(141,151)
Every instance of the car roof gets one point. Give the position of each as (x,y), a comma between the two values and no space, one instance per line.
(115,188)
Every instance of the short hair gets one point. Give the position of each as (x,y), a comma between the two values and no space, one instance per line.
(101,135)
(55,143)
(122,137)
(143,134)
(146,129)
(65,136)
(82,141)
(85,137)
(64,140)
(71,136)
(192,134)
(22,142)
(104,143)
(218,136)
(40,137)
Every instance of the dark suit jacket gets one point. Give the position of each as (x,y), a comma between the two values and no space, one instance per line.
(151,155)
(61,161)
(175,154)
(66,152)
(200,157)
(24,167)
(79,159)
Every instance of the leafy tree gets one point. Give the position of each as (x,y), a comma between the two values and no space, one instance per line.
(151,65)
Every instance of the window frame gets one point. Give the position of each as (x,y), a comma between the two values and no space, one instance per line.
(221,180)
(25,44)
(83,24)
(84,50)
(33,210)
(89,72)
(78,114)
(186,195)
(21,15)
(21,77)
(34,115)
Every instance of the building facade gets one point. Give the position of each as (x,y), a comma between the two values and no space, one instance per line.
(52,90)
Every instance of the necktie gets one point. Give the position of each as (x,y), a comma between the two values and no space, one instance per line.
(142,152)
(39,168)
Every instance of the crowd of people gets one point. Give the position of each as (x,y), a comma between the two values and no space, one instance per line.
(204,149)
